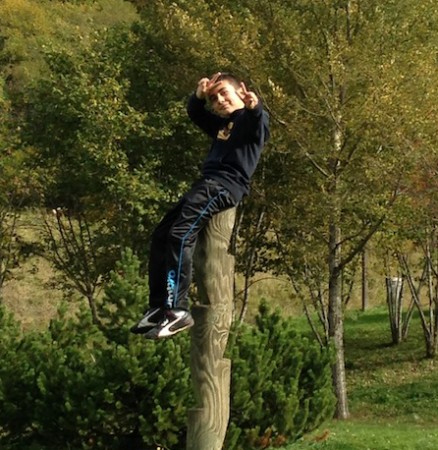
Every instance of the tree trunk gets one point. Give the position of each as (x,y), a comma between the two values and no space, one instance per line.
(336,324)
(431,347)
(364,279)
(431,343)
(251,253)
(211,372)
(394,299)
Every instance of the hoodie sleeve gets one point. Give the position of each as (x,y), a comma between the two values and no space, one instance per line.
(259,122)
(204,119)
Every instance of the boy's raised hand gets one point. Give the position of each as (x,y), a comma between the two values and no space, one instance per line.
(248,97)
(205,84)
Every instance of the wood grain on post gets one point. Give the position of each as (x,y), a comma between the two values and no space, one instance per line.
(211,372)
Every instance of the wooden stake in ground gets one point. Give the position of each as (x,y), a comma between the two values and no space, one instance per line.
(211,372)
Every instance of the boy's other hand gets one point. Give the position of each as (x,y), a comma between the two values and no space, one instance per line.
(205,84)
(248,97)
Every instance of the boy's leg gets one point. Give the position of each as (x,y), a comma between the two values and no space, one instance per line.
(157,258)
(203,201)
(157,273)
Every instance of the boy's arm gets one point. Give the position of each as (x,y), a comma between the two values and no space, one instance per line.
(196,110)
(258,120)
(204,119)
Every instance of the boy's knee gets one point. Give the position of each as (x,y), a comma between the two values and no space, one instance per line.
(179,236)
(175,235)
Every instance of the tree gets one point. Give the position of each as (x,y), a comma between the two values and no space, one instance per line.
(101,154)
(414,247)
(29,25)
(31,38)
(78,125)
(355,119)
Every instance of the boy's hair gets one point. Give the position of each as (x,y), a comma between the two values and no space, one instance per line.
(232,79)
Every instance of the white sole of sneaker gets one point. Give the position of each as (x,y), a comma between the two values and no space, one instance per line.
(145,325)
(165,331)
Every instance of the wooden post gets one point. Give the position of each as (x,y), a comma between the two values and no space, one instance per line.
(211,372)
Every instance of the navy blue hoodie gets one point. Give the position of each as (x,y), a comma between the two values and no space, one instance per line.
(238,141)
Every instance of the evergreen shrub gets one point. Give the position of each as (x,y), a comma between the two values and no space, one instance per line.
(71,388)
(281,384)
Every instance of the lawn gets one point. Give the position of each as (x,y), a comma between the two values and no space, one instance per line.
(393,391)
(362,435)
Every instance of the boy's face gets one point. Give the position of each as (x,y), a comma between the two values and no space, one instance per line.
(225,98)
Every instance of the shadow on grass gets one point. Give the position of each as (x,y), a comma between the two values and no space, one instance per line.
(412,398)
(368,341)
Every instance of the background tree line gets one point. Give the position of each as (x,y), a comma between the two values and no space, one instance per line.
(92,102)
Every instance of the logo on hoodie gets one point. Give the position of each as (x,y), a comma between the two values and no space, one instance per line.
(225,133)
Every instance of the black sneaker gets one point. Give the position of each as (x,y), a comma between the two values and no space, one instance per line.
(151,319)
(174,321)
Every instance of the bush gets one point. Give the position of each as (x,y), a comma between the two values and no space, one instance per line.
(72,387)
(126,296)
(281,384)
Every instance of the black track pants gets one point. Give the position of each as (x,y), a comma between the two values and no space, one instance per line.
(174,239)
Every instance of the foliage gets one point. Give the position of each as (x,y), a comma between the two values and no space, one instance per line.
(28,25)
(71,387)
(81,251)
(126,296)
(281,384)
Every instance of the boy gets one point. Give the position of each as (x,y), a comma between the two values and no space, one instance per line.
(239,128)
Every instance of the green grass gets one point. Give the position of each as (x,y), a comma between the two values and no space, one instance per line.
(393,391)
(359,435)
